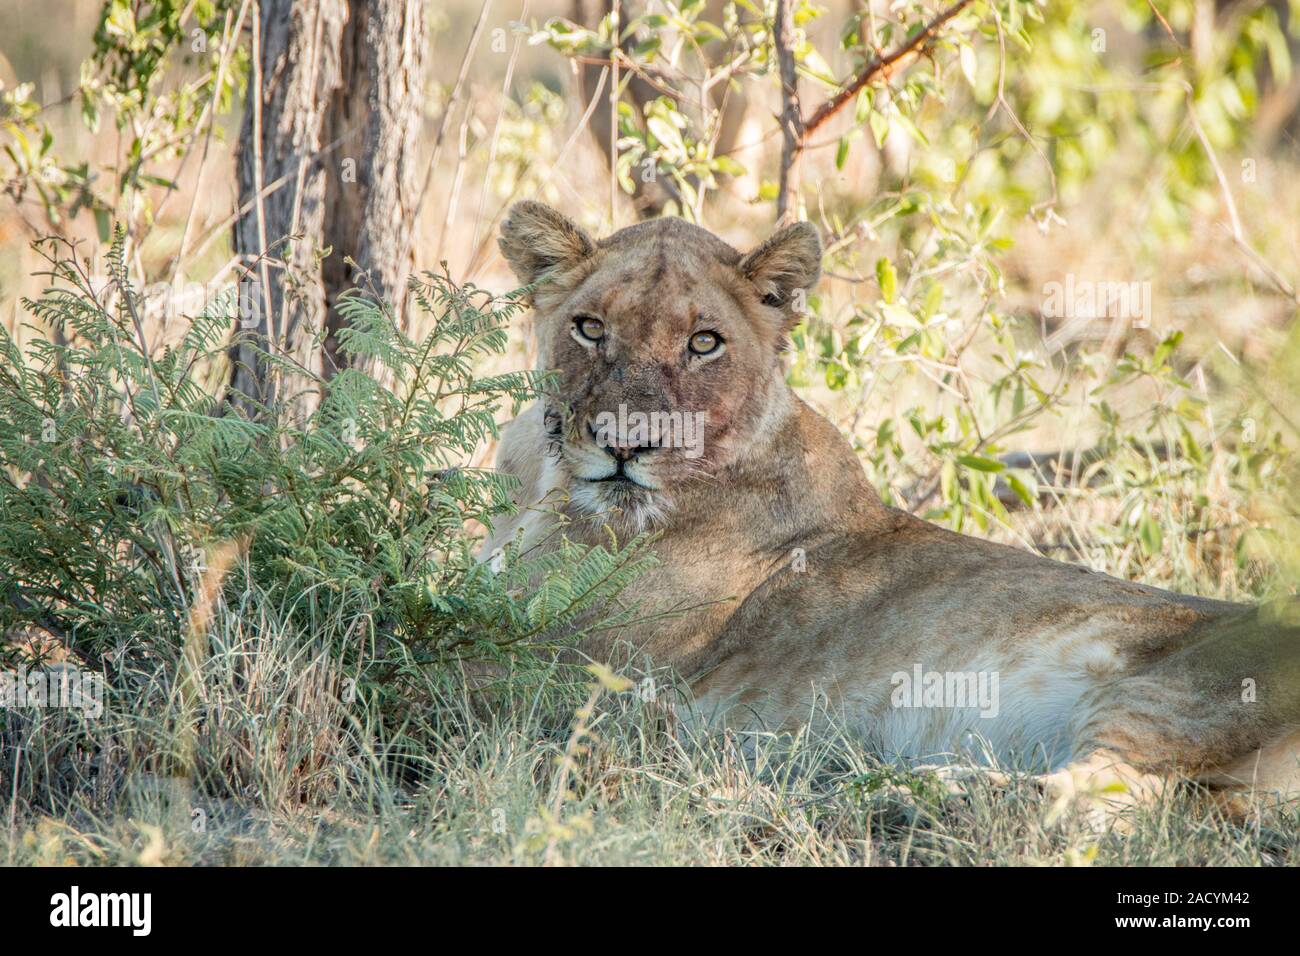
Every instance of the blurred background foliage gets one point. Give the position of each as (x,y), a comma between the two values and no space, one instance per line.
(987,208)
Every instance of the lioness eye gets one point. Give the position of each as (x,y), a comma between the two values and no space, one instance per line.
(704,343)
(590,327)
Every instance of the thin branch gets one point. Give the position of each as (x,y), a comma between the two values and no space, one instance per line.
(793,130)
(496,130)
(650,76)
(445,121)
(616,25)
(486,243)
(1049,204)
(885,66)
(1234,220)
(230,39)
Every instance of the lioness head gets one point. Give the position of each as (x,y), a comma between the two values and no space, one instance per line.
(666,341)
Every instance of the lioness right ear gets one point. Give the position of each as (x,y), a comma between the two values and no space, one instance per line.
(787,264)
(535,239)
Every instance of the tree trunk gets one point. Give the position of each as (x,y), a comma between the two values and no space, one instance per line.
(331,117)
(376,112)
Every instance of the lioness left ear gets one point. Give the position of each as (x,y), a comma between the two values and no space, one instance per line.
(788,263)
(536,240)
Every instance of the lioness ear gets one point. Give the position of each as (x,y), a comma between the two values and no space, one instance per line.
(789,262)
(536,239)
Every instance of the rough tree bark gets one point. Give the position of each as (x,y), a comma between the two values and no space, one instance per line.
(377,107)
(331,118)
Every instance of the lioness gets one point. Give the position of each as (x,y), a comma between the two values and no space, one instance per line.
(803,586)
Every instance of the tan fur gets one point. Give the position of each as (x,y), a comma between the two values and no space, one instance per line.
(796,584)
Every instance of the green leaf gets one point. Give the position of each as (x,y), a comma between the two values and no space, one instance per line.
(879,124)
(969,63)
(1150,535)
(1025,489)
(980,463)
(887,279)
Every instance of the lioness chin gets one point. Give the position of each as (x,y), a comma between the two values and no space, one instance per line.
(798,586)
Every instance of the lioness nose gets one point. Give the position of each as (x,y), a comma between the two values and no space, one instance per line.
(623,448)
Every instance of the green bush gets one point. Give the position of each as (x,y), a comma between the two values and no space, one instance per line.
(133,494)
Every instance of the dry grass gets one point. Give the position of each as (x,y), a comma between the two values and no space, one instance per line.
(285,772)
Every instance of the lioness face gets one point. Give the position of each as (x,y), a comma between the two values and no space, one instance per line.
(666,342)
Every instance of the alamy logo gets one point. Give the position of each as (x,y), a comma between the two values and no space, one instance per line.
(75,909)
(1085,300)
(59,686)
(661,429)
(946,689)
